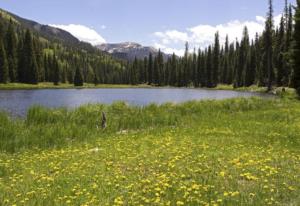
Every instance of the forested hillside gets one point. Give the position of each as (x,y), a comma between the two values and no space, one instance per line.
(32,53)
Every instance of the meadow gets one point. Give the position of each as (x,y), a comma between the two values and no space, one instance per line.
(229,152)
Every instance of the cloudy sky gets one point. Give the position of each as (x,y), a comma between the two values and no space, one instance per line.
(165,24)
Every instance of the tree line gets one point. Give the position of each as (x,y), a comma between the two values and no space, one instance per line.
(270,59)
(26,57)
(266,60)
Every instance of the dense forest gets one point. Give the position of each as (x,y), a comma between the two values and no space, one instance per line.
(27,57)
(266,60)
(271,59)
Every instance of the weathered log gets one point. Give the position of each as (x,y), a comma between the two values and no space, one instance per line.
(103,120)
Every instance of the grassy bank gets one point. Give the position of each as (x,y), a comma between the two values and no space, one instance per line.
(49,85)
(231,152)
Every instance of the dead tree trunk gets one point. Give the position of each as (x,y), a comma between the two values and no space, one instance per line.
(103,120)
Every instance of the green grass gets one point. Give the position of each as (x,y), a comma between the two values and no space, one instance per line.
(230,152)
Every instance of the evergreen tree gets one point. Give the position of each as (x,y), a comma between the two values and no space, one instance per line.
(251,67)
(269,45)
(199,67)
(231,64)
(56,71)
(209,67)
(160,70)
(46,68)
(279,55)
(186,65)
(296,49)
(245,58)
(216,61)
(4,75)
(21,60)
(29,61)
(150,69)
(134,72)
(144,79)
(11,50)
(237,68)
(195,70)
(96,79)
(203,70)
(174,70)
(78,78)
(242,69)
(289,40)
(225,72)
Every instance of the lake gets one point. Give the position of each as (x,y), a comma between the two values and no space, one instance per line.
(17,102)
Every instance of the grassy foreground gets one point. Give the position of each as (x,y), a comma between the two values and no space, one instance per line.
(231,152)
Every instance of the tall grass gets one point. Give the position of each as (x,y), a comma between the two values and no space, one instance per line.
(48,128)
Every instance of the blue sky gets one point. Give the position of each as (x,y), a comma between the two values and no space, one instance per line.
(161,23)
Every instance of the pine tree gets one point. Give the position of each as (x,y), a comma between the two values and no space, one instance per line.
(242,68)
(11,50)
(195,70)
(174,71)
(160,71)
(46,68)
(150,69)
(231,64)
(251,67)
(225,72)
(216,61)
(29,66)
(279,54)
(199,67)
(78,78)
(134,72)
(56,71)
(236,70)
(96,79)
(296,49)
(145,71)
(186,65)
(269,45)
(21,60)
(246,59)
(289,40)
(209,67)
(4,75)
(156,70)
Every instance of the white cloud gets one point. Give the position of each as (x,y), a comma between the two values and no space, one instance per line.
(83,33)
(103,26)
(203,34)
(174,35)
(168,50)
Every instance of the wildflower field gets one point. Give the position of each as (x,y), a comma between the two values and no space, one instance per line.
(230,152)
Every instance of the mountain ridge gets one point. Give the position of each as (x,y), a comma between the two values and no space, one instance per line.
(129,50)
(124,50)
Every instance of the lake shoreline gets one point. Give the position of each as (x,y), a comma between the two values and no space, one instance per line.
(70,98)
(49,85)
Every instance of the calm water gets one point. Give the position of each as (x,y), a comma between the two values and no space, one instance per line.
(16,102)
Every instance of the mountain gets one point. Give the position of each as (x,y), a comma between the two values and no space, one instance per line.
(46,31)
(124,51)
(41,53)
(129,50)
